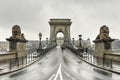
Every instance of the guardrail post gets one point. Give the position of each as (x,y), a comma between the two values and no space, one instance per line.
(88,57)
(111,63)
(26,59)
(22,60)
(17,59)
(91,58)
(10,64)
(103,62)
(31,57)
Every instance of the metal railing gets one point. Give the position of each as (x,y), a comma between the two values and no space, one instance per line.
(44,50)
(15,63)
(109,64)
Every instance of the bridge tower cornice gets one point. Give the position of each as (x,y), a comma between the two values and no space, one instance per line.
(60,22)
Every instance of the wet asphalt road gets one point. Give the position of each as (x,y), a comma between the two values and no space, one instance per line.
(60,66)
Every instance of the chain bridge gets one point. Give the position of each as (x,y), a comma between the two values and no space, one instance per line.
(67,61)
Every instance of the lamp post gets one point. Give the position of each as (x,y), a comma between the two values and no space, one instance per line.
(80,38)
(73,41)
(46,41)
(80,46)
(40,37)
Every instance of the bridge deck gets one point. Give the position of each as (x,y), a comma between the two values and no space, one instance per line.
(60,66)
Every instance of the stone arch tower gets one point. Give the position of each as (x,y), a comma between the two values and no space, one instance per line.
(60,25)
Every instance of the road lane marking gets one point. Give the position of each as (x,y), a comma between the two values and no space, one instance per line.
(55,76)
(69,75)
(58,73)
(51,78)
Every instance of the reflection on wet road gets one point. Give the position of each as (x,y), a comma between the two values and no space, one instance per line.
(60,66)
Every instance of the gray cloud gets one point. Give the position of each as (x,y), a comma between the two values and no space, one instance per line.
(33,16)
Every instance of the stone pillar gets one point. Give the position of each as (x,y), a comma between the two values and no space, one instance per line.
(17,42)
(103,46)
(17,46)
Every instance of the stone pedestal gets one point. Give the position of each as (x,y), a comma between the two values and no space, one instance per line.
(102,47)
(17,46)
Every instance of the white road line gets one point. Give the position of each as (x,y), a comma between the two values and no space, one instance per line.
(61,78)
(51,78)
(69,75)
(58,74)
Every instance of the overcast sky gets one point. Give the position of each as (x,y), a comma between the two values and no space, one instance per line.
(87,17)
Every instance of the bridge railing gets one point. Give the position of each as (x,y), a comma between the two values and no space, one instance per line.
(109,63)
(76,50)
(45,49)
(9,62)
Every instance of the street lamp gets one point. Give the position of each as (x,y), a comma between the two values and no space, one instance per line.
(80,44)
(46,41)
(73,41)
(40,37)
